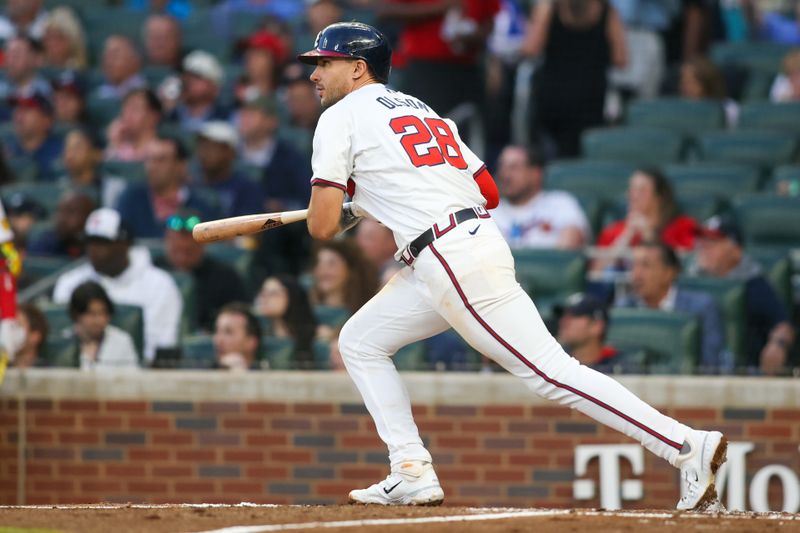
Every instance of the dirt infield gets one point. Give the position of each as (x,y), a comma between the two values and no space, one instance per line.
(249,518)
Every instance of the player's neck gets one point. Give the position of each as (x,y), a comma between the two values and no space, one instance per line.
(363,82)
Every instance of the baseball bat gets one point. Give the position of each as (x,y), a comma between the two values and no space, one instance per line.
(228,228)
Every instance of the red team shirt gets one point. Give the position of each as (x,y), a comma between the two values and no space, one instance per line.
(423,40)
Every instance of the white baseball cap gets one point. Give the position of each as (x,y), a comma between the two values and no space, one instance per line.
(106,223)
(203,64)
(221,132)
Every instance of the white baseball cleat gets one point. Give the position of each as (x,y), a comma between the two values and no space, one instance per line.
(413,483)
(698,468)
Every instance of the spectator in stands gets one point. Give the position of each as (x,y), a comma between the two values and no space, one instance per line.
(130,134)
(161,37)
(201,84)
(774,26)
(33,134)
(320,14)
(264,55)
(100,344)
(442,43)
(23,212)
(654,274)
(786,87)
(286,174)
(225,12)
(145,207)
(64,42)
(285,303)
(68,99)
(237,338)
(302,101)
(532,217)
(582,326)
(720,254)
(652,215)
(215,282)
(22,61)
(23,17)
(82,162)
(180,9)
(121,64)
(65,238)
(578,40)
(129,277)
(377,244)
(34,324)
(702,80)
(342,275)
(217,145)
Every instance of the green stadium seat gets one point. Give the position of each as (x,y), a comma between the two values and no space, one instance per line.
(240,259)
(606,180)
(101,111)
(300,138)
(783,117)
(45,194)
(760,55)
(155,74)
(785,179)
(700,206)
(768,220)
(61,351)
(638,145)
(671,340)
(22,169)
(721,179)
(676,114)
(132,171)
(550,275)
(197,352)
(411,358)
(278,353)
(332,316)
(593,208)
(729,295)
(755,147)
(37,267)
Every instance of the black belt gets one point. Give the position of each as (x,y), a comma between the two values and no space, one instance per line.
(435,232)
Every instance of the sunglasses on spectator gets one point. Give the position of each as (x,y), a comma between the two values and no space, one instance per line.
(179,223)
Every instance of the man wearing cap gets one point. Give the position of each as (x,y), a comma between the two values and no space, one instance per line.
(68,99)
(720,254)
(217,146)
(215,283)
(654,272)
(129,277)
(33,137)
(201,82)
(582,327)
(286,174)
(145,207)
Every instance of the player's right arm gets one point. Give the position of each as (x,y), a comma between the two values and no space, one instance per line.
(332,165)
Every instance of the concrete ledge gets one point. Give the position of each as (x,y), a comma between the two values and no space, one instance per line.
(425,388)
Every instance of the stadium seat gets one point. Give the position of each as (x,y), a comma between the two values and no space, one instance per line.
(411,358)
(238,258)
(593,208)
(755,147)
(278,353)
(37,267)
(768,220)
(721,179)
(155,74)
(61,351)
(700,206)
(641,146)
(46,194)
(607,180)
(760,56)
(783,117)
(785,179)
(22,169)
(676,114)
(101,111)
(331,316)
(132,171)
(549,275)
(197,351)
(671,340)
(729,295)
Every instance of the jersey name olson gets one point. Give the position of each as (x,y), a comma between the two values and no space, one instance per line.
(392,102)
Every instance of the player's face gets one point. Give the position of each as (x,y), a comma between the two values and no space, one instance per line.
(333,80)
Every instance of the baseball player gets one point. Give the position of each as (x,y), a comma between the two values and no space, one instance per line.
(12,334)
(407,168)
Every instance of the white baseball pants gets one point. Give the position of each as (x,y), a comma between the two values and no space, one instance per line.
(467,281)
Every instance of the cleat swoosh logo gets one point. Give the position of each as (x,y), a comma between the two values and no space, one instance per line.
(473,232)
(387,491)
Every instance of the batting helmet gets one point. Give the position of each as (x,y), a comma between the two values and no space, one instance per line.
(353,40)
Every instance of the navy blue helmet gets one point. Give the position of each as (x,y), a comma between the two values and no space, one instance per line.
(353,40)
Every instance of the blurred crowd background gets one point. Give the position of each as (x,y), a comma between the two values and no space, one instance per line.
(647,153)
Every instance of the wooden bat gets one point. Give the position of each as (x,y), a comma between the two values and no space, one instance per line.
(228,228)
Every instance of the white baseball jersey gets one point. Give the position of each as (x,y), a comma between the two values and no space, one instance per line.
(409,165)
(539,222)
(6,234)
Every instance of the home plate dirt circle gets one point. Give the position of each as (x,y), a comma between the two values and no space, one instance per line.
(252,518)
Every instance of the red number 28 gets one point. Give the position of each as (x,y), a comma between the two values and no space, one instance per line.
(416,132)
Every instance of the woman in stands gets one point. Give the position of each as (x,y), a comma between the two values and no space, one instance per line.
(652,214)
(342,276)
(64,41)
(285,303)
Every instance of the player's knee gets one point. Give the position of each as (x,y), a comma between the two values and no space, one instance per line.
(348,341)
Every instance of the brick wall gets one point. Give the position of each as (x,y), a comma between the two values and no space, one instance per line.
(90,450)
